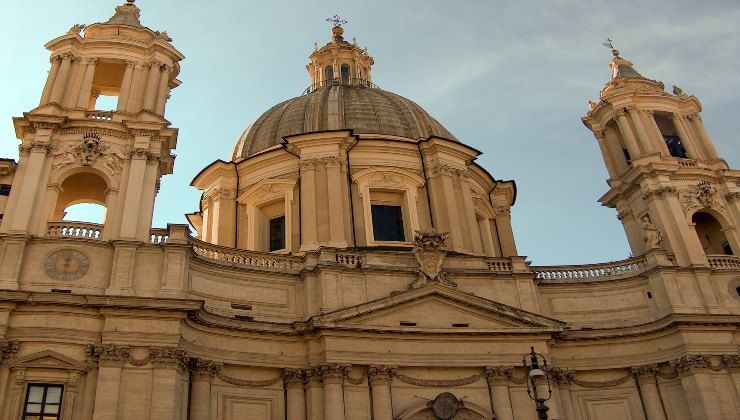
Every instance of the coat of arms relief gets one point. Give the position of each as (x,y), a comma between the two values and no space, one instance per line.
(87,153)
(699,196)
(429,250)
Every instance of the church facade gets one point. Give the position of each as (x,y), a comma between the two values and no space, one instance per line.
(351,260)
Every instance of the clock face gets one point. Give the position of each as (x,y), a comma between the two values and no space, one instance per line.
(66,264)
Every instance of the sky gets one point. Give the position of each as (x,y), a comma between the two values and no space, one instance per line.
(509,78)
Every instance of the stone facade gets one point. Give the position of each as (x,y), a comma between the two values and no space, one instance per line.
(339,322)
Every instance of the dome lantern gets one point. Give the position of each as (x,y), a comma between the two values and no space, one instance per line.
(339,62)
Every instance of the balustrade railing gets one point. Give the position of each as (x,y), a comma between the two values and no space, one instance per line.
(499,265)
(158,236)
(351,260)
(244,258)
(99,115)
(724,262)
(337,81)
(605,270)
(74,229)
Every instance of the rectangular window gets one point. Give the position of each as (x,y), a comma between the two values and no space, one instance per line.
(277,234)
(43,402)
(4,189)
(387,223)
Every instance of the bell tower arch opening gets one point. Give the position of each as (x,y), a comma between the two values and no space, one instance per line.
(711,234)
(82,188)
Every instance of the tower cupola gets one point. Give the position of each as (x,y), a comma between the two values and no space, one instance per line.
(339,62)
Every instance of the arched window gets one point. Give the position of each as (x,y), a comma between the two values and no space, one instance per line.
(345,74)
(329,75)
(710,234)
(85,212)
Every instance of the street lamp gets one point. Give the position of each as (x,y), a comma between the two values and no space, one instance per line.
(535,374)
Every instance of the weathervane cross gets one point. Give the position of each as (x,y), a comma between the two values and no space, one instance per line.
(336,20)
(608,43)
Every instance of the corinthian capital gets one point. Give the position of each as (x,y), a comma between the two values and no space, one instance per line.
(688,364)
(108,353)
(498,375)
(292,377)
(645,373)
(7,349)
(380,374)
(331,372)
(201,369)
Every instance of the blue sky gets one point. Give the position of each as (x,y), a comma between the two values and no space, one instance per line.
(510,78)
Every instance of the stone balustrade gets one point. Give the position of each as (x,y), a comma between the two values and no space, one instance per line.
(244,258)
(724,262)
(590,271)
(74,229)
(499,264)
(159,236)
(99,115)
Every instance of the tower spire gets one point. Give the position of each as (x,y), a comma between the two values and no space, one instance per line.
(619,66)
(126,14)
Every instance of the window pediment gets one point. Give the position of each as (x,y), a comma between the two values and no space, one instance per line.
(268,190)
(388,177)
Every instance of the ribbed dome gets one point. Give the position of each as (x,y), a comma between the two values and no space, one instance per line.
(365,110)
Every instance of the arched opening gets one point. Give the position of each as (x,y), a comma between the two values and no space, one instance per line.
(345,74)
(711,235)
(82,199)
(329,75)
(670,135)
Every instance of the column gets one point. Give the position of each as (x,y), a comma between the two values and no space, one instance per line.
(163,90)
(7,350)
(88,401)
(60,81)
(109,380)
(697,386)
(657,134)
(505,232)
(138,80)
(627,135)
(83,98)
(706,141)
(562,379)
(646,381)
(608,160)
(314,395)
(684,136)
(333,378)
(642,135)
(55,61)
(308,205)
(74,80)
(613,144)
(132,204)
(380,384)
(201,376)
(31,182)
(123,95)
(150,94)
(470,217)
(148,194)
(296,399)
(169,364)
(336,202)
(497,385)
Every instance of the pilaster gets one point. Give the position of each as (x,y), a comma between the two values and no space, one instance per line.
(698,388)
(498,378)
(380,381)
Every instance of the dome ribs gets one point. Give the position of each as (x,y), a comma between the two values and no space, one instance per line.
(361,109)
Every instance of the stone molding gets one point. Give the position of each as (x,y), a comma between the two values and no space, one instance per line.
(456,172)
(660,191)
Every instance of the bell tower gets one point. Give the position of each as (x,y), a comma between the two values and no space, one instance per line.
(99,134)
(671,189)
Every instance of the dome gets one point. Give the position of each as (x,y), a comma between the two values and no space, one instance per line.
(365,110)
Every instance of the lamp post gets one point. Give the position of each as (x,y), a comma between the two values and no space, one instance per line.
(535,374)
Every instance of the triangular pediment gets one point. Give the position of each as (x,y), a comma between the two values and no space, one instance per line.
(47,359)
(436,307)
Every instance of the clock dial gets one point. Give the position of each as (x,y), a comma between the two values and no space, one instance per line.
(66,264)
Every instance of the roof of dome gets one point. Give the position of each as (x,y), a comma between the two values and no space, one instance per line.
(365,110)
